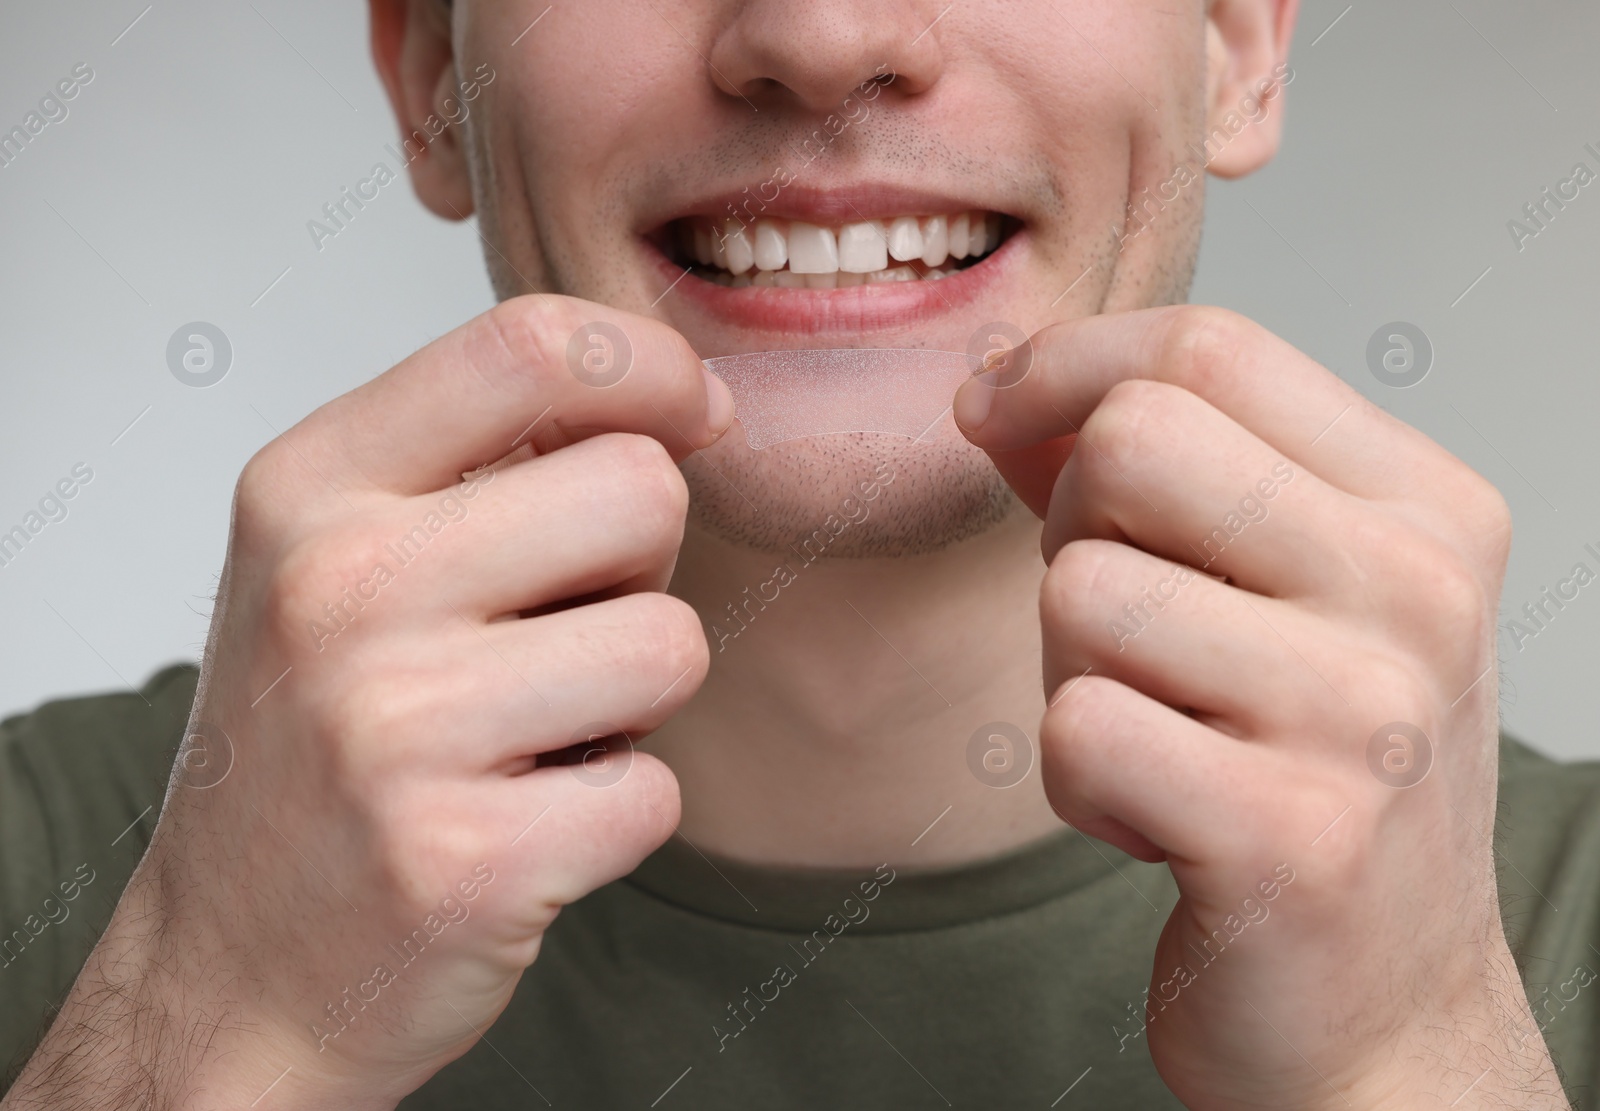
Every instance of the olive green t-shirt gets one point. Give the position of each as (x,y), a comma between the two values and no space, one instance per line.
(1017,982)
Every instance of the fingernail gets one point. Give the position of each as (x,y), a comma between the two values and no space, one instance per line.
(719,404)
(973,399)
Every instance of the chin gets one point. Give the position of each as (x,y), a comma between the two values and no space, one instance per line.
(850,495)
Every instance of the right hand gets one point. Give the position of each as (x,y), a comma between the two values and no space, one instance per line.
(391,766)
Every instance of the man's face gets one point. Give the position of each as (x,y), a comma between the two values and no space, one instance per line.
(617,131)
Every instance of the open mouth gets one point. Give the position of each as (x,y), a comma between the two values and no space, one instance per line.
(794,254)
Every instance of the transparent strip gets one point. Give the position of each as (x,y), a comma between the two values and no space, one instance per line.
(786,395)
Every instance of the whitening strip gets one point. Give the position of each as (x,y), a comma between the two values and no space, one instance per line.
(784,395)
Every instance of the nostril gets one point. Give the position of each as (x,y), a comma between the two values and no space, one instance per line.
(822,58)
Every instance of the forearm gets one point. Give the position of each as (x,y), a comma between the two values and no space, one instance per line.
(1514,1078)
(1487,1054)
(103,1047)
(146,1026)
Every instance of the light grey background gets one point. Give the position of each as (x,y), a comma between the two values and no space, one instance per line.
(180,186)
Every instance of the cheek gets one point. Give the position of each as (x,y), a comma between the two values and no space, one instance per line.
(578,101)
(1083,84)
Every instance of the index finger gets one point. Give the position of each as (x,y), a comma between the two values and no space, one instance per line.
(1273,390)
(539,370)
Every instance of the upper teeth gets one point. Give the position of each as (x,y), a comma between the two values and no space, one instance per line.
(772,247)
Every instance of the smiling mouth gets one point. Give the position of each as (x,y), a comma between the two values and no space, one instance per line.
(793,254)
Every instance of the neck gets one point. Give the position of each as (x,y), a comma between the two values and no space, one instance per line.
(834,727)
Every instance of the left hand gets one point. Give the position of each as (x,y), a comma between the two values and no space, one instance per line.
(1337,940)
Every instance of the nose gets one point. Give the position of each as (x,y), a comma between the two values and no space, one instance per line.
(811,53)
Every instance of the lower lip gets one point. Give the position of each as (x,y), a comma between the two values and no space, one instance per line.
(879,306)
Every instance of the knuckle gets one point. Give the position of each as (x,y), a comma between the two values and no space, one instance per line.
(1135,414)
(294,588)
(638,815)
(1082,570)
(1052,345)
(531,331)
(1394,552)
(259,489)
(345,723)
(1434,586)
(310,575)
(1140,394)
(1345,850)
(1489,509)
(1391,691)
(1115,429)
(1487,517)
(1082,709)
(1201,344)
(639,454)
(417,860)
(658,489)
(340,753)
(656,785)
(378,718)
(1459,600)
(666,628)
(259,476)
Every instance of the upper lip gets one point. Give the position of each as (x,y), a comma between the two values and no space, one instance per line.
(815,204)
